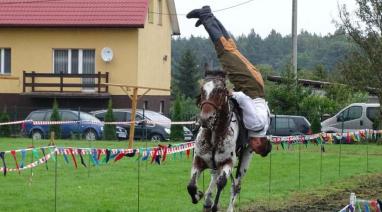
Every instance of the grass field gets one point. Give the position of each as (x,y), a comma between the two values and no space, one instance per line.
(114,187)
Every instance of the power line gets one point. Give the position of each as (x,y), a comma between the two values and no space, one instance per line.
(215,11)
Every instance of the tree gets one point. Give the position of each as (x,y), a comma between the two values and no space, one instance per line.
(362,67)
(187,75)
(109,129)
(177,130)
(56,128)
(285,97)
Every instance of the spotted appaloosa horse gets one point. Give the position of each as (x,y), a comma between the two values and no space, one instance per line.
(216,145)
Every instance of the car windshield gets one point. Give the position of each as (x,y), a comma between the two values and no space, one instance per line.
(88,117)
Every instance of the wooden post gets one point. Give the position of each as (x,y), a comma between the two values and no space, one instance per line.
(107,81)
(24,81)
(99,82)
(33,75)
(61,82)
(134,100)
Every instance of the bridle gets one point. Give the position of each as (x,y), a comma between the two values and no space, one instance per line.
(218,108)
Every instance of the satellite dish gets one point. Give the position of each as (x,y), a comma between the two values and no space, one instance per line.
(107,54)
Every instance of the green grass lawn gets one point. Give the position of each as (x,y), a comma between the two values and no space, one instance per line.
(114,186)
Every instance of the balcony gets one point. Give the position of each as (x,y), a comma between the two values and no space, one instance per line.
(50,85)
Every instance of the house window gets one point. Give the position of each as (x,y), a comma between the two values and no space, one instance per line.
(5,61)
(74,61)
(151,11)
(161,106)
(160,12)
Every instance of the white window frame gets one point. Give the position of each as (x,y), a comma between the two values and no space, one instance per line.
(80,59)
(2,62)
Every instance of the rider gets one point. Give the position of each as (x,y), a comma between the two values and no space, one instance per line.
(245,78)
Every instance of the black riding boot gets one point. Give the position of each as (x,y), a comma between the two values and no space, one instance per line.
(209,22)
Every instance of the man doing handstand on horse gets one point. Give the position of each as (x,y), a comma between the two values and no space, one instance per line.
(245,78)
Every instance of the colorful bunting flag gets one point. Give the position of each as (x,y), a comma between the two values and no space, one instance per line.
(13,153)
(2,156)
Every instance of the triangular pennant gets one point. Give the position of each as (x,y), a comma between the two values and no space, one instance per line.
(366,205)
(13,153)
(154,155)
(131,154)
(164,150)
(2,156)
(46,161)
(73,157)
(94,157)
(119,156)
(23,156)
(108,153)
(147,155)
(99,152)
(188,153)
(35,154)
(64,154)
(52,152)
(79,151)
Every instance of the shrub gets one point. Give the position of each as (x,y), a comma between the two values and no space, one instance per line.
(177,130)
(55,117)
(109,130)
(5,130)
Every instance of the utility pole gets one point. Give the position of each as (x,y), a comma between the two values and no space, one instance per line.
(294,38)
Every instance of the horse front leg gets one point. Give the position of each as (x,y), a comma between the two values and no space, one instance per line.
(244,160)
(221,182)
(208,195)
(198,166)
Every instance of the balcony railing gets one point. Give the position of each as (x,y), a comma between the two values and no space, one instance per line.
(62,82)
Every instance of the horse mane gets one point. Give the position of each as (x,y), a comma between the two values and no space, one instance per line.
(213,74)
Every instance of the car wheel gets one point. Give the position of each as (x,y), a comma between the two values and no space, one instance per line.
(90,135)
(156,137)
(37,135)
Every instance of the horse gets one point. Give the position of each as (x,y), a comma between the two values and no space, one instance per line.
(218,144)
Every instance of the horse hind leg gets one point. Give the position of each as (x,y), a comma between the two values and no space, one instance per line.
(221,183)
(244,161)
(192,185)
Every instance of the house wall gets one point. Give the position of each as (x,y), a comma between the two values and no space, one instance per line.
(32,50)
(154,56)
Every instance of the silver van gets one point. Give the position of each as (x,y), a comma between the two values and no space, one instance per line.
(352,118)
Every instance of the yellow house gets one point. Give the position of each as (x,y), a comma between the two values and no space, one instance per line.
(67,49)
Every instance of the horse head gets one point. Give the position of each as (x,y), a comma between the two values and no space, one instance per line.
(213,99)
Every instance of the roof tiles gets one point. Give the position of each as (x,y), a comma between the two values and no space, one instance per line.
(73,13)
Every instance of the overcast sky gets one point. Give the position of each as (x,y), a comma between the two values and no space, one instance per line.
(315,16)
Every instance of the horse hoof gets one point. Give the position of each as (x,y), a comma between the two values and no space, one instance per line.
(207,208)
(214,208)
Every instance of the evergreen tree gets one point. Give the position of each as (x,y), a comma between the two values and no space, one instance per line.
(55,117)
(5,130)
(187,76)
(177,130)
(109,130)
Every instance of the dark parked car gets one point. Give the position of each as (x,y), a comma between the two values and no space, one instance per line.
(85,124)
(285,125)
(158,126)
